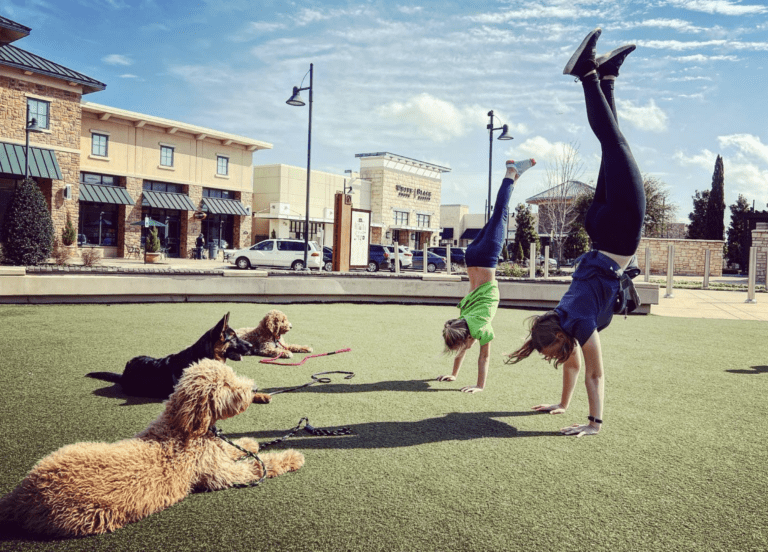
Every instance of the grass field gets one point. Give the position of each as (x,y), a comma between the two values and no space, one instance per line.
(679,465)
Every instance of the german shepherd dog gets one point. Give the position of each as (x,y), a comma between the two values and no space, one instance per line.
(146,376)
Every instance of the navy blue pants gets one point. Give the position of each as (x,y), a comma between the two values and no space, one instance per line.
(485,249)
(615,219)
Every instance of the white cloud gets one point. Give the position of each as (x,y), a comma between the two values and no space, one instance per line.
(747,145)
(128,76)
(723,7)
(701,58)
(437,119)
(117,59)
(542,150)
(703,160)
(410,10)
(649,117)
(674,24)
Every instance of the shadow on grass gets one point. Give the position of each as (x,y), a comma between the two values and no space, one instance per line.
(754,370)
(397,385)
(115,391)
(457,426)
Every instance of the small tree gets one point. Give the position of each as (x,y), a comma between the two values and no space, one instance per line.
(153,241)
(576,243)
(526,234)
(68,235)
(697,227)
(739,236)
(28,229)
(715,217)
(659,210)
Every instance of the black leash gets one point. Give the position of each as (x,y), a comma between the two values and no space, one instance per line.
(315,379)
(303,422)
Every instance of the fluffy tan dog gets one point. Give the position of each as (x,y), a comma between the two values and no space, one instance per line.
(93,488)
(267,338)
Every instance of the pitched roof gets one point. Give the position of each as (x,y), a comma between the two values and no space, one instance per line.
(574,189)
(10,30)
(11,56)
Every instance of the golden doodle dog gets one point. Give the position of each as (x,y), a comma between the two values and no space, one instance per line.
(94,488)
(266,339)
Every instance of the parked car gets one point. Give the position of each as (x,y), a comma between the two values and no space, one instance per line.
(457,255)
(552,262)
(379,257)
(283,253)
(327,258)
(434,261)
(406,258)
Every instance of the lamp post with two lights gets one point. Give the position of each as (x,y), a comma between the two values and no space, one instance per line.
(503,136)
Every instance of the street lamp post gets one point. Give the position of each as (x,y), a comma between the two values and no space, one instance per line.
(503,136)
(31,127)
(296,100)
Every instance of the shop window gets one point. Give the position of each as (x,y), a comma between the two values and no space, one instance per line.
(297,229)
(98,224)
(39,110)
(166,156)
(401,218)
(162,187)
(99,144)
(224,194)
(422,221)
(93,178)
(222,165)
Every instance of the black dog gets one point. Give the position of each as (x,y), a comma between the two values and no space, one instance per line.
(146,376)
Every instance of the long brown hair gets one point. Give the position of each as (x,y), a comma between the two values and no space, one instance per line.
(455,334)
(544,330)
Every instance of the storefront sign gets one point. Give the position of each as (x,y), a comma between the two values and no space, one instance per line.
(421,195)
(199,215)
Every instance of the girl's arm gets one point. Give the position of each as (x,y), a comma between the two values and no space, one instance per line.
(482,369)
(456,364)
(571,368)
(595,383)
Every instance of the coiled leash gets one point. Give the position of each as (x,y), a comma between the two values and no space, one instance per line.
(303,360)
(315,379)
(248,454)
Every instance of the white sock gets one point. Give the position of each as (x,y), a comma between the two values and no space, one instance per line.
(523,165)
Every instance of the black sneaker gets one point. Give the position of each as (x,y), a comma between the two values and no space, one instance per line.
(583,59)
(608,64)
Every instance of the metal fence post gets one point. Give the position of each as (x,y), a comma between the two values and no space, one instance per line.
(532,267)
(425,263)
(707,256)
(448,259)
(670,272)
(647,264)
(397,258)
(546,261)
(752,275)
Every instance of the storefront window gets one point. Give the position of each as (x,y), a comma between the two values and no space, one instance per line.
(219,227)
(93,178)
(98,224)
(223,194)
(170,234)
(162,187)
(422,220)
(297,229)
(401,218)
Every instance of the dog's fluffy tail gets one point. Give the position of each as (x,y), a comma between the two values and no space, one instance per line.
(106,376)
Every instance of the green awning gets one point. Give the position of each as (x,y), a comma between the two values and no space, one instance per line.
(97,193)
(168,200)
(42,162)
(220,206)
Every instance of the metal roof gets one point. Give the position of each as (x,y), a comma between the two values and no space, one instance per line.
(470,234)
(42,162)
(98,193)
(11,56)
(574,189)
(168,200)
(10,30)
(221,206)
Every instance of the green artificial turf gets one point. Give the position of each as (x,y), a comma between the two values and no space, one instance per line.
(679,465)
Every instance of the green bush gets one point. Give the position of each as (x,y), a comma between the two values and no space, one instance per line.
(28,229)
(153,242)
(511,270)
(68,235)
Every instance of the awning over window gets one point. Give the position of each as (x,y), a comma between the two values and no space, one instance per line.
(168,200)
(97,193)
(42,162)
(470,234)
(220,206)
(447,234)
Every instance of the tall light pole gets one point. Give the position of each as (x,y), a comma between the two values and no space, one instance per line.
(31,127)
(503,136)
(296,100)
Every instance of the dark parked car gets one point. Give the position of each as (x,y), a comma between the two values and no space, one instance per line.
(457,255)
(434,261)
(379,257)
(327,258)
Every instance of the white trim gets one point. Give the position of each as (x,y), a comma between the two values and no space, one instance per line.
(39,97)
(98,157)
(167,145)
(95,131)
(224,176)
(166,168)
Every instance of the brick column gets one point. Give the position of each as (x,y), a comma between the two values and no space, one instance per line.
(760,240)
(190,226)
(129,214)
(241,232)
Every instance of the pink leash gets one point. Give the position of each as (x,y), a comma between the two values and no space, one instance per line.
(303,360)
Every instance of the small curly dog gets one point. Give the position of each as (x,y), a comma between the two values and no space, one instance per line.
(266,339)
(94,488)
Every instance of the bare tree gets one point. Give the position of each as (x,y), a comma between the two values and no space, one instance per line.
(660,211)
(557,204)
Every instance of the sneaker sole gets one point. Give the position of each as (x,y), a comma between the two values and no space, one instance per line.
(605,58)
(577,54)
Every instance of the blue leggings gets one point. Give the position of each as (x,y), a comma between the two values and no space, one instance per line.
(485,249)
(615,219)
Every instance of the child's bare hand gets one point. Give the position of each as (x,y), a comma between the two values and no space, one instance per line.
(551,408)
(471,389)
(446,378)
(579,430)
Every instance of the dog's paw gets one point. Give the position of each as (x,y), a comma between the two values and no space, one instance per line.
(310,349)
(261,398)
(287,354)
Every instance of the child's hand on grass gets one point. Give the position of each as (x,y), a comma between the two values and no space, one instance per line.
(471,389)
(446,378)
(579,430)
(551,408)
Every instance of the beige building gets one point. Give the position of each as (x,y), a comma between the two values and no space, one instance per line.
(402,194)
(460,226)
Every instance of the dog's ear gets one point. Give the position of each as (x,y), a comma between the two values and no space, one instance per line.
(190,405)
(273,322)
(221,326)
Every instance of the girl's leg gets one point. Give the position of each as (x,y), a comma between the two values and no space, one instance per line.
(606,86)
(485,249)
(615,219)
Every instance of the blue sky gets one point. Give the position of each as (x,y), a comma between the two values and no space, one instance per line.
(418,79)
